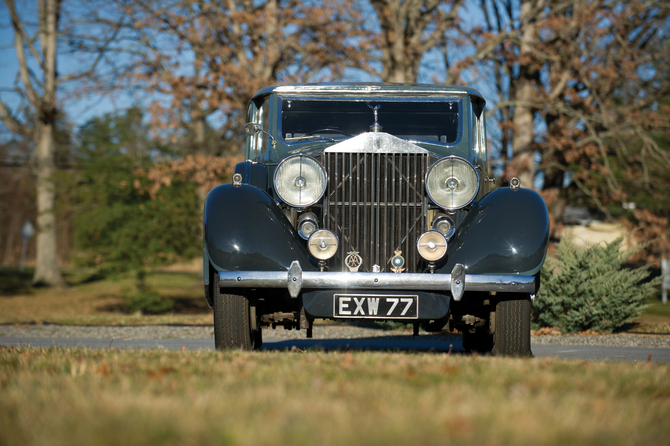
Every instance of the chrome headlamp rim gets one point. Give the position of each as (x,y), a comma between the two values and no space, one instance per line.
(318,164)
(466,162)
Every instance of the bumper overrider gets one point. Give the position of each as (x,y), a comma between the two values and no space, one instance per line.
(297,281)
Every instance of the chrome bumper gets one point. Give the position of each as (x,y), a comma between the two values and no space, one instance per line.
(296,279)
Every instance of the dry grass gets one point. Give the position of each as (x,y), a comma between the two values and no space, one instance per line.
(151,397)
(92,300)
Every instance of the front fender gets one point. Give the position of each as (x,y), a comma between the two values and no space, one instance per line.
(506,232)
(245,230)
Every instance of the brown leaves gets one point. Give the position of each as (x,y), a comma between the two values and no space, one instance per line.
(651,229)
(228,51)
(206,172)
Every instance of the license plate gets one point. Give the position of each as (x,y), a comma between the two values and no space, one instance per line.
(376,306)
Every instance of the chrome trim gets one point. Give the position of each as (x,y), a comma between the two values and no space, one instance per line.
(514,183)
(372,88)
(237,180)
(458,281)
(295,281)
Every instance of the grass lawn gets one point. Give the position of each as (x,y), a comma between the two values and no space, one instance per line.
(92,300)
(156,397)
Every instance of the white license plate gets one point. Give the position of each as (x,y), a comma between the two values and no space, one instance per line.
(376,306)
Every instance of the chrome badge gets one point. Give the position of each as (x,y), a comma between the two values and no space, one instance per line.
(398,261)
(353,261)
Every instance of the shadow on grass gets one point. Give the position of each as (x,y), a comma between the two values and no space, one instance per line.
(395,343)
(182,305)
(13,281)
(189,305)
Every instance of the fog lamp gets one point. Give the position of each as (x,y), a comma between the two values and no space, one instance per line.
(323,244)
(432,246)
(307,224)
(444,225)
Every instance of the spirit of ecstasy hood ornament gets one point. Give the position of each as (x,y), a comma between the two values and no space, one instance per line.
(376,127)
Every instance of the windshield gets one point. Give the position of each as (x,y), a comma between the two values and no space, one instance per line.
(309,119)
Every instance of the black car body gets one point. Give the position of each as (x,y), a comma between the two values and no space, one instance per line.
(372,201)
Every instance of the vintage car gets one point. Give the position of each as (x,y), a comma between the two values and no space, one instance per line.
(372,201)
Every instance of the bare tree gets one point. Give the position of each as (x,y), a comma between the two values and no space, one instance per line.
(37,47)
(409,29)
(41,93)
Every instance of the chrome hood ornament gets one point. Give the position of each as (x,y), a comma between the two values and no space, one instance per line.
(376,126)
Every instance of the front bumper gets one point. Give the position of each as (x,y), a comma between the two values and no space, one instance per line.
(295,280)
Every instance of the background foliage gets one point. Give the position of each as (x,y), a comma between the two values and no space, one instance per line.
(120,226)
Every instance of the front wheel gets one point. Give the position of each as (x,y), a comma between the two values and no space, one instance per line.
(512,327)
(232,322)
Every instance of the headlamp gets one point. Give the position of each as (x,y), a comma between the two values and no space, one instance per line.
(300,181)
(452,182)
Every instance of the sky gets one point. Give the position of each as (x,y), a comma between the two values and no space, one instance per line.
(78,110)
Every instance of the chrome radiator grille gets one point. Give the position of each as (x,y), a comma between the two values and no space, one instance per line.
(376,204)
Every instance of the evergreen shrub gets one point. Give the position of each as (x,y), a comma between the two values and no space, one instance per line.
(589,289)
(149,302)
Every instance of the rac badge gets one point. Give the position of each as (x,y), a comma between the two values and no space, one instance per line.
(353,261)
(398,262)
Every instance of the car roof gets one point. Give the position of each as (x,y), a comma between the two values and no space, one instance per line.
(369,88)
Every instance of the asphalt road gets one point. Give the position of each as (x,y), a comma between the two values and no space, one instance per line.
(576,352)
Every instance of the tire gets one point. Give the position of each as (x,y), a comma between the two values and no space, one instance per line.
(480,341)
(512,328)
(232,322)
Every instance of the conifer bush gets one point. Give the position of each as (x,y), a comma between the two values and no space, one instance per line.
(589,289)
(149,302)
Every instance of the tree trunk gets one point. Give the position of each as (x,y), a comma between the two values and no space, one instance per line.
(523,164)
(522,147)
(47,272)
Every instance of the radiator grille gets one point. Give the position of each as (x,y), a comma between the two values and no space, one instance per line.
(376,204)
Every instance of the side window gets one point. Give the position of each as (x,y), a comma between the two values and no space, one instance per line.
(259,112)
(250,143)
(264,138)
(482,135)
(477,118)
